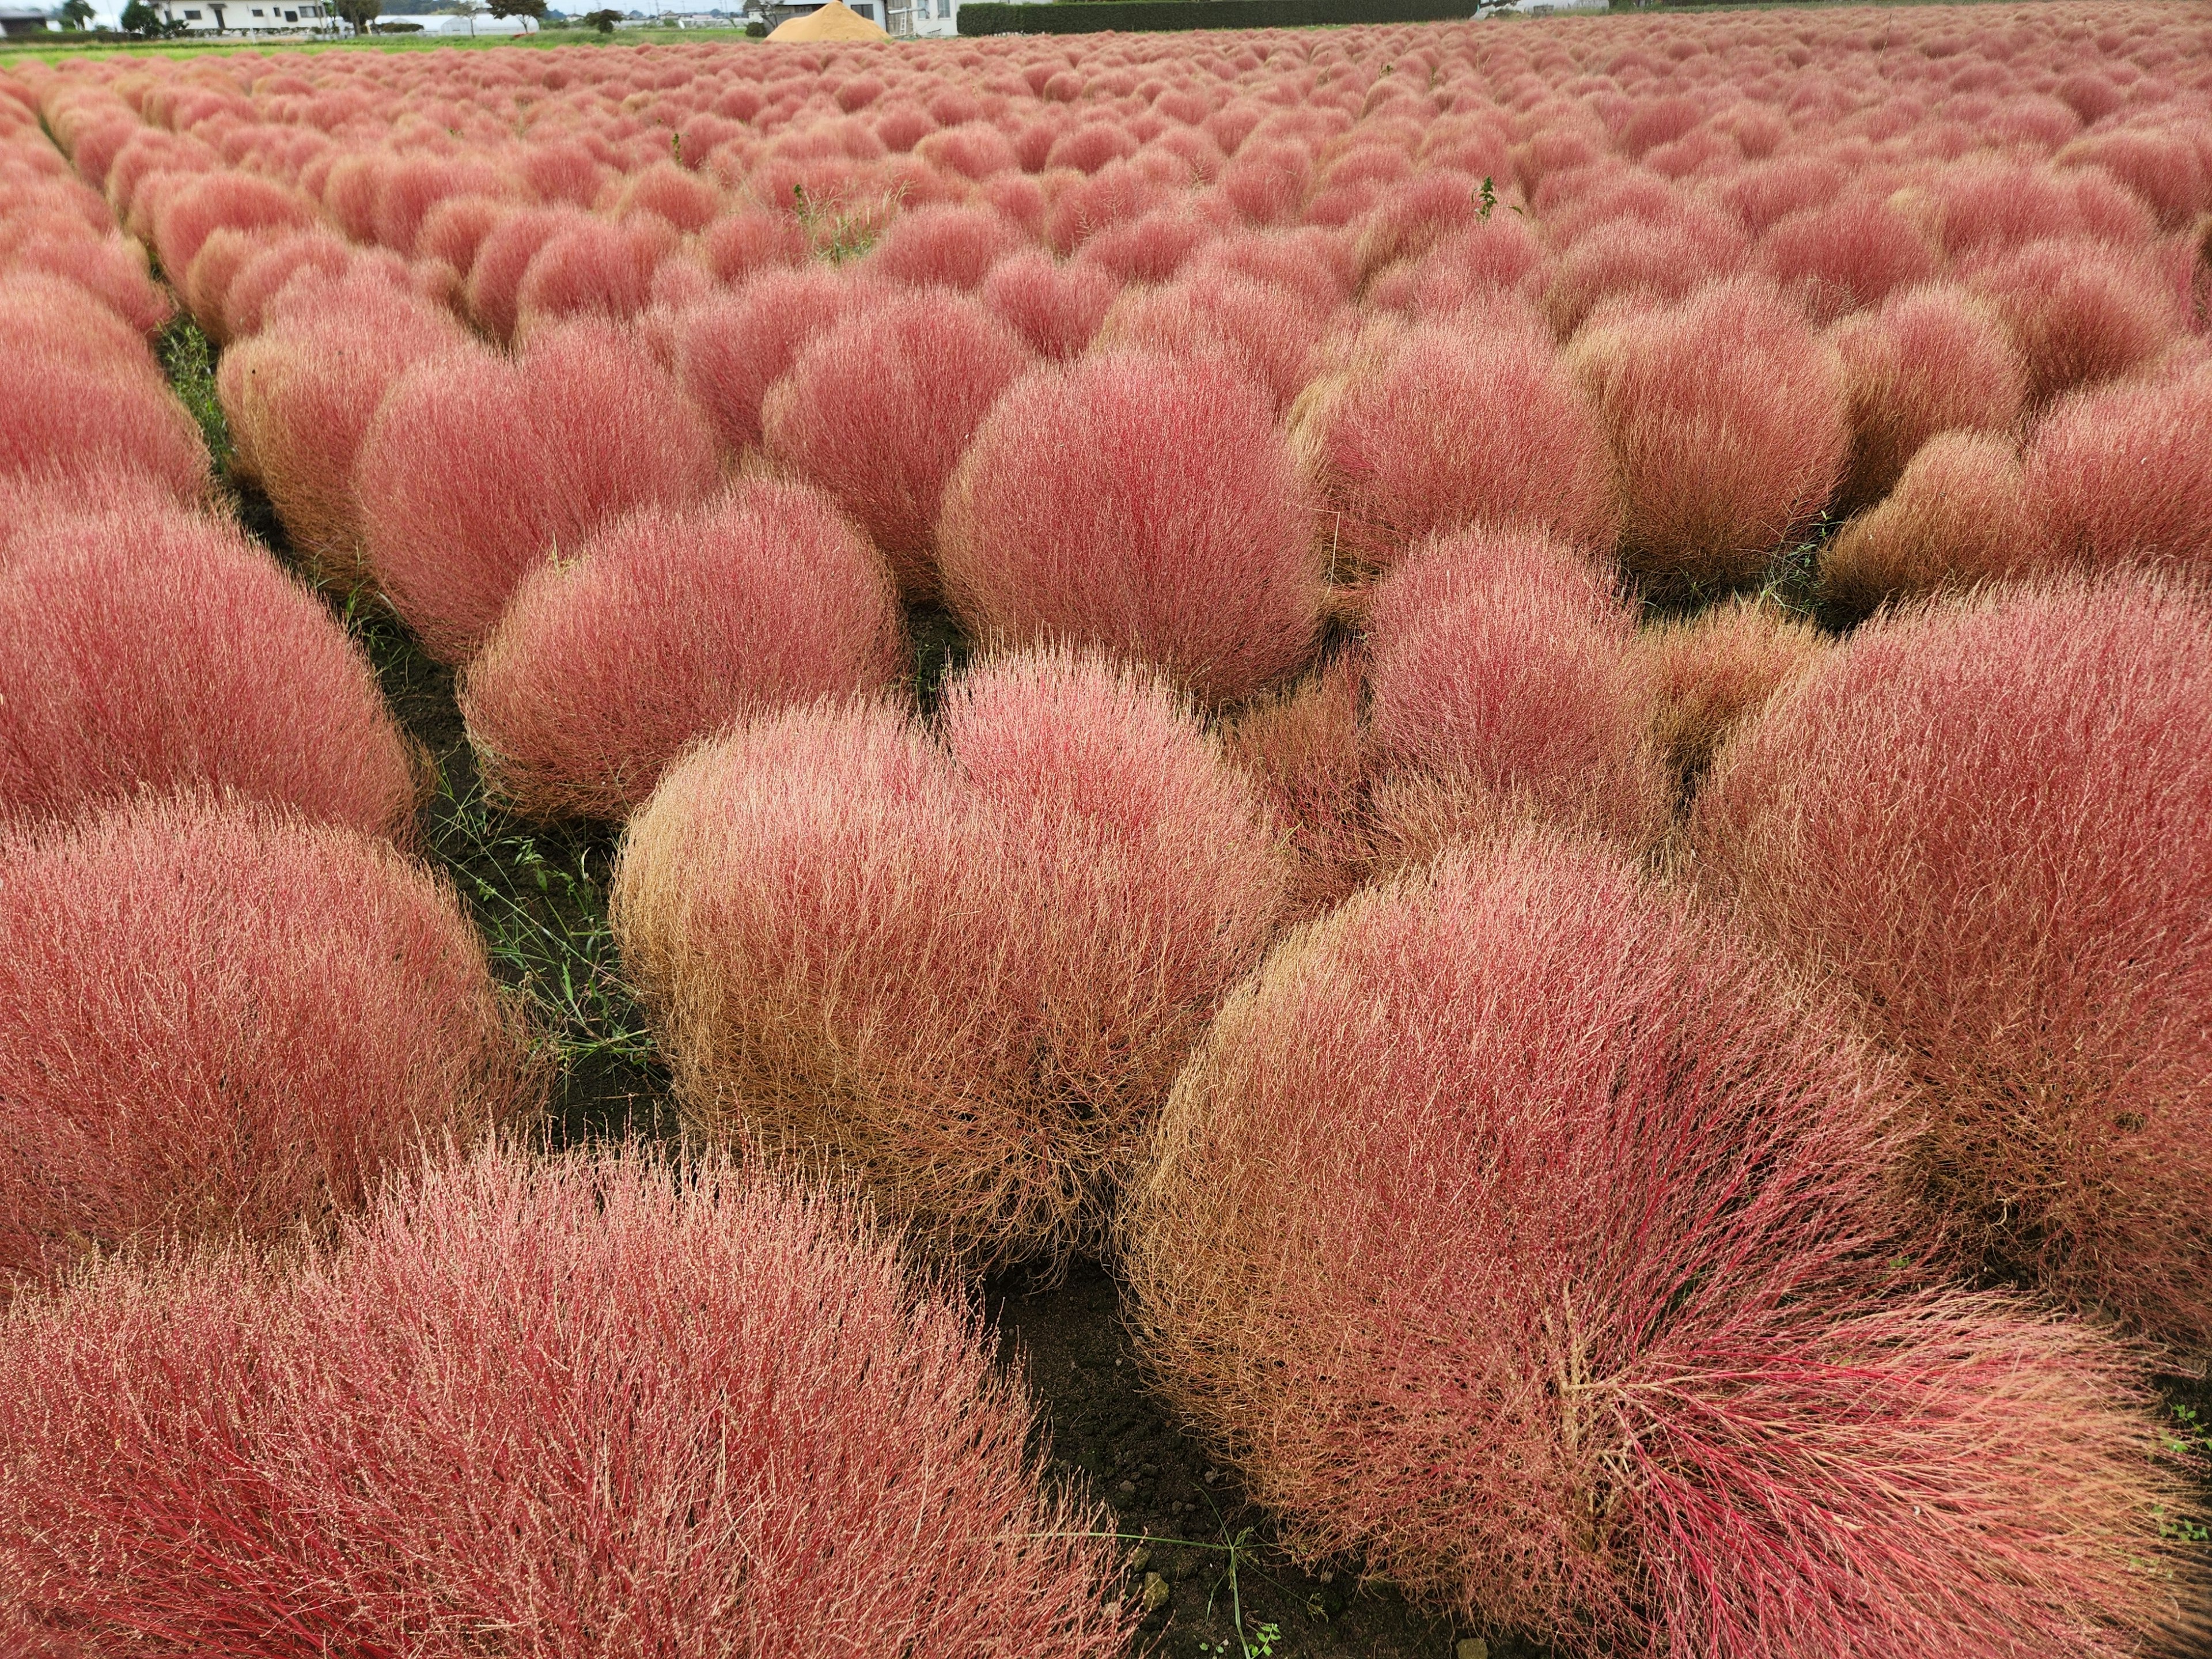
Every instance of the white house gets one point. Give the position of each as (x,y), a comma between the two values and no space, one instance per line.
(915,18)
(485,24)
(249,16)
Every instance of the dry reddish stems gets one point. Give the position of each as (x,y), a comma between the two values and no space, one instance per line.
(1985,822)
(594,1406)
(1713,671)
(664,628)
(1959,516)
(969,966)
(1530,1237)
(220,1021)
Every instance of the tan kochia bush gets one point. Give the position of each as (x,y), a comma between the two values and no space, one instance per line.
(1959,516)
(1521,1231)
(967,965)
(1711,671)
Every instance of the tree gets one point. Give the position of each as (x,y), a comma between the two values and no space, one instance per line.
(139,18)
(359,13)
(533,9)
(471,9)
(604,20)
(75,14)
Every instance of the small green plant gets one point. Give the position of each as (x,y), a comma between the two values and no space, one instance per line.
(1488,197)
(840,232)
(188,361)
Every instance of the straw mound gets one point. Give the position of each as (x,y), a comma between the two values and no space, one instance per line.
(835,22)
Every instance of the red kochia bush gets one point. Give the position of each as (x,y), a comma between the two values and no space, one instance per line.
(596,1405)
(477,467)
(954,246)
(1714,671)
(1445,428)
(221,1020)
(2123,475)
(61,418)
(878,409)
(160,650)
(1727,420)
(1986,822)
(2079,312)
(1959,516)
(1517,1230)
(1143,505)
(1505,683)
(1055,307)
(667,626)
(968,969)
(298,397)
(1932,359)
(730,349)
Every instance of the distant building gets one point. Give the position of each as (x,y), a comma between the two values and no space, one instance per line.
(248,17)
(22,20)
(484,24)
(914,18)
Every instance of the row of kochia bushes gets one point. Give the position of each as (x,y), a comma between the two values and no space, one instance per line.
(600,1406)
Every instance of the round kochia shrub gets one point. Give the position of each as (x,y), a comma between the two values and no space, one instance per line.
(65,417)
(477,467)
(2121,475)
(148,649)
(1516,1230)
(876,410)
(219,1020)
(1504,684)
(663,628)
(968,967)
(1446,428)
(1986,822)
(598,1406)
(1728,420)
(1142,505)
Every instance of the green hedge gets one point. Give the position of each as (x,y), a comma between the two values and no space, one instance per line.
(990,17)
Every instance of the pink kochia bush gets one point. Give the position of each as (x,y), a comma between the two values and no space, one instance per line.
(220,1021)
(968,965)
(477,467)
(1502,685)
(2121,475)
(1519,1231)
(1728,421)
(87,421)
(148,649)
(1985,823)
(1448,428)
(667,626)
(598,1406)
(1141,505)
(876,410)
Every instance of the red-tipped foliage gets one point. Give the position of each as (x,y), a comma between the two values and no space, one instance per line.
(970,971)
(1449,426)
(1960,515)
(162,651)
(666,627)
(596,269)
(504,256)
(1932,359)
(2124,475)
(1055,307)
(738,246)
(1524,1235)
(2078,313)
(234,201)
(477,468)
(954,246)
(1140,505)
(299,399)
(877,409)
(1655,260)
(225,1022)
(1270,334)
(1986,823)
(594,1404)
(1728,421)
(1504,680)
(64,417)
(732,349)
(1848,254)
